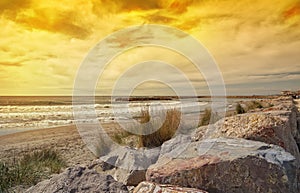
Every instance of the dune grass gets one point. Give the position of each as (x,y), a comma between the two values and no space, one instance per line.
(160,128)
(159,135)
(254,105)
(30,169)
(239,109)
(152,131)
(208,117)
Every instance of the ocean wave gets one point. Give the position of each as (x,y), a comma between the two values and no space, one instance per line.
(31,116)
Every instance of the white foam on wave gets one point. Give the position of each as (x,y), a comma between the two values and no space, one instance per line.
(26,117)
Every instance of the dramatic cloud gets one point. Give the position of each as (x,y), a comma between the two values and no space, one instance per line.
(255,43)
(14,5)
(6,64)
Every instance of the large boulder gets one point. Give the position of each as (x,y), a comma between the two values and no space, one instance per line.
(130,164)
(81,180)
(150,187)
(225,165)
(298,126)
(276,125)
(287,105)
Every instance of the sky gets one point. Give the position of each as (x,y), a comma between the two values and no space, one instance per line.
(255,43)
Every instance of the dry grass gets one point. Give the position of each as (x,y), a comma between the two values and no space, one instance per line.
(157,135)
(119,137)
(253,105)
(159,128)
(239,109)
(208,117)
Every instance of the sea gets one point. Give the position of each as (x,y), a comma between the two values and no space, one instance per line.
(23,113)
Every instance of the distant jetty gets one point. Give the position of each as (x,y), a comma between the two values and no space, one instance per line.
(294,94)
(153,98)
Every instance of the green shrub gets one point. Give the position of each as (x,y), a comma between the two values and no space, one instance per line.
(47,158)
(31,169)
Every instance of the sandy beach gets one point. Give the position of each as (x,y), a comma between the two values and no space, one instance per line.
(66,140)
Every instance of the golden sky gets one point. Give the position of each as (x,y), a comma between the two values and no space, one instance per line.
(256,43)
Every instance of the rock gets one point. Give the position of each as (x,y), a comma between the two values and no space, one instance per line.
(229,165)
(298,124)
(297,136)
(100,165)
(150,187)
(79,179)
(278,127)
(175,145)
(130,177)
(131,164)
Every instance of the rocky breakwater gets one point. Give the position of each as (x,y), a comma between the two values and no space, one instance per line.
(274,125)
(228,165)
(252,152)
(297,104)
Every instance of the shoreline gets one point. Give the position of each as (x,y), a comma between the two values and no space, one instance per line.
(23,130)
(37,130)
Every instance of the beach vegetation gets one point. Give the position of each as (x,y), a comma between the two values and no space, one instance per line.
(208,117)
(253,105)
(30,169)
(121,136)
(152,131)
(169,121)
(239,109)
(257,104)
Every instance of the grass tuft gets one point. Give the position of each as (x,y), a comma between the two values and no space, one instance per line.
(158,136)
(254,105)
(31,169)
(209,117)
(119,137)
(159,129)
(239,109)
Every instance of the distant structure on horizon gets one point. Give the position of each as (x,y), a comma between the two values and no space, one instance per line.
(294,94)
